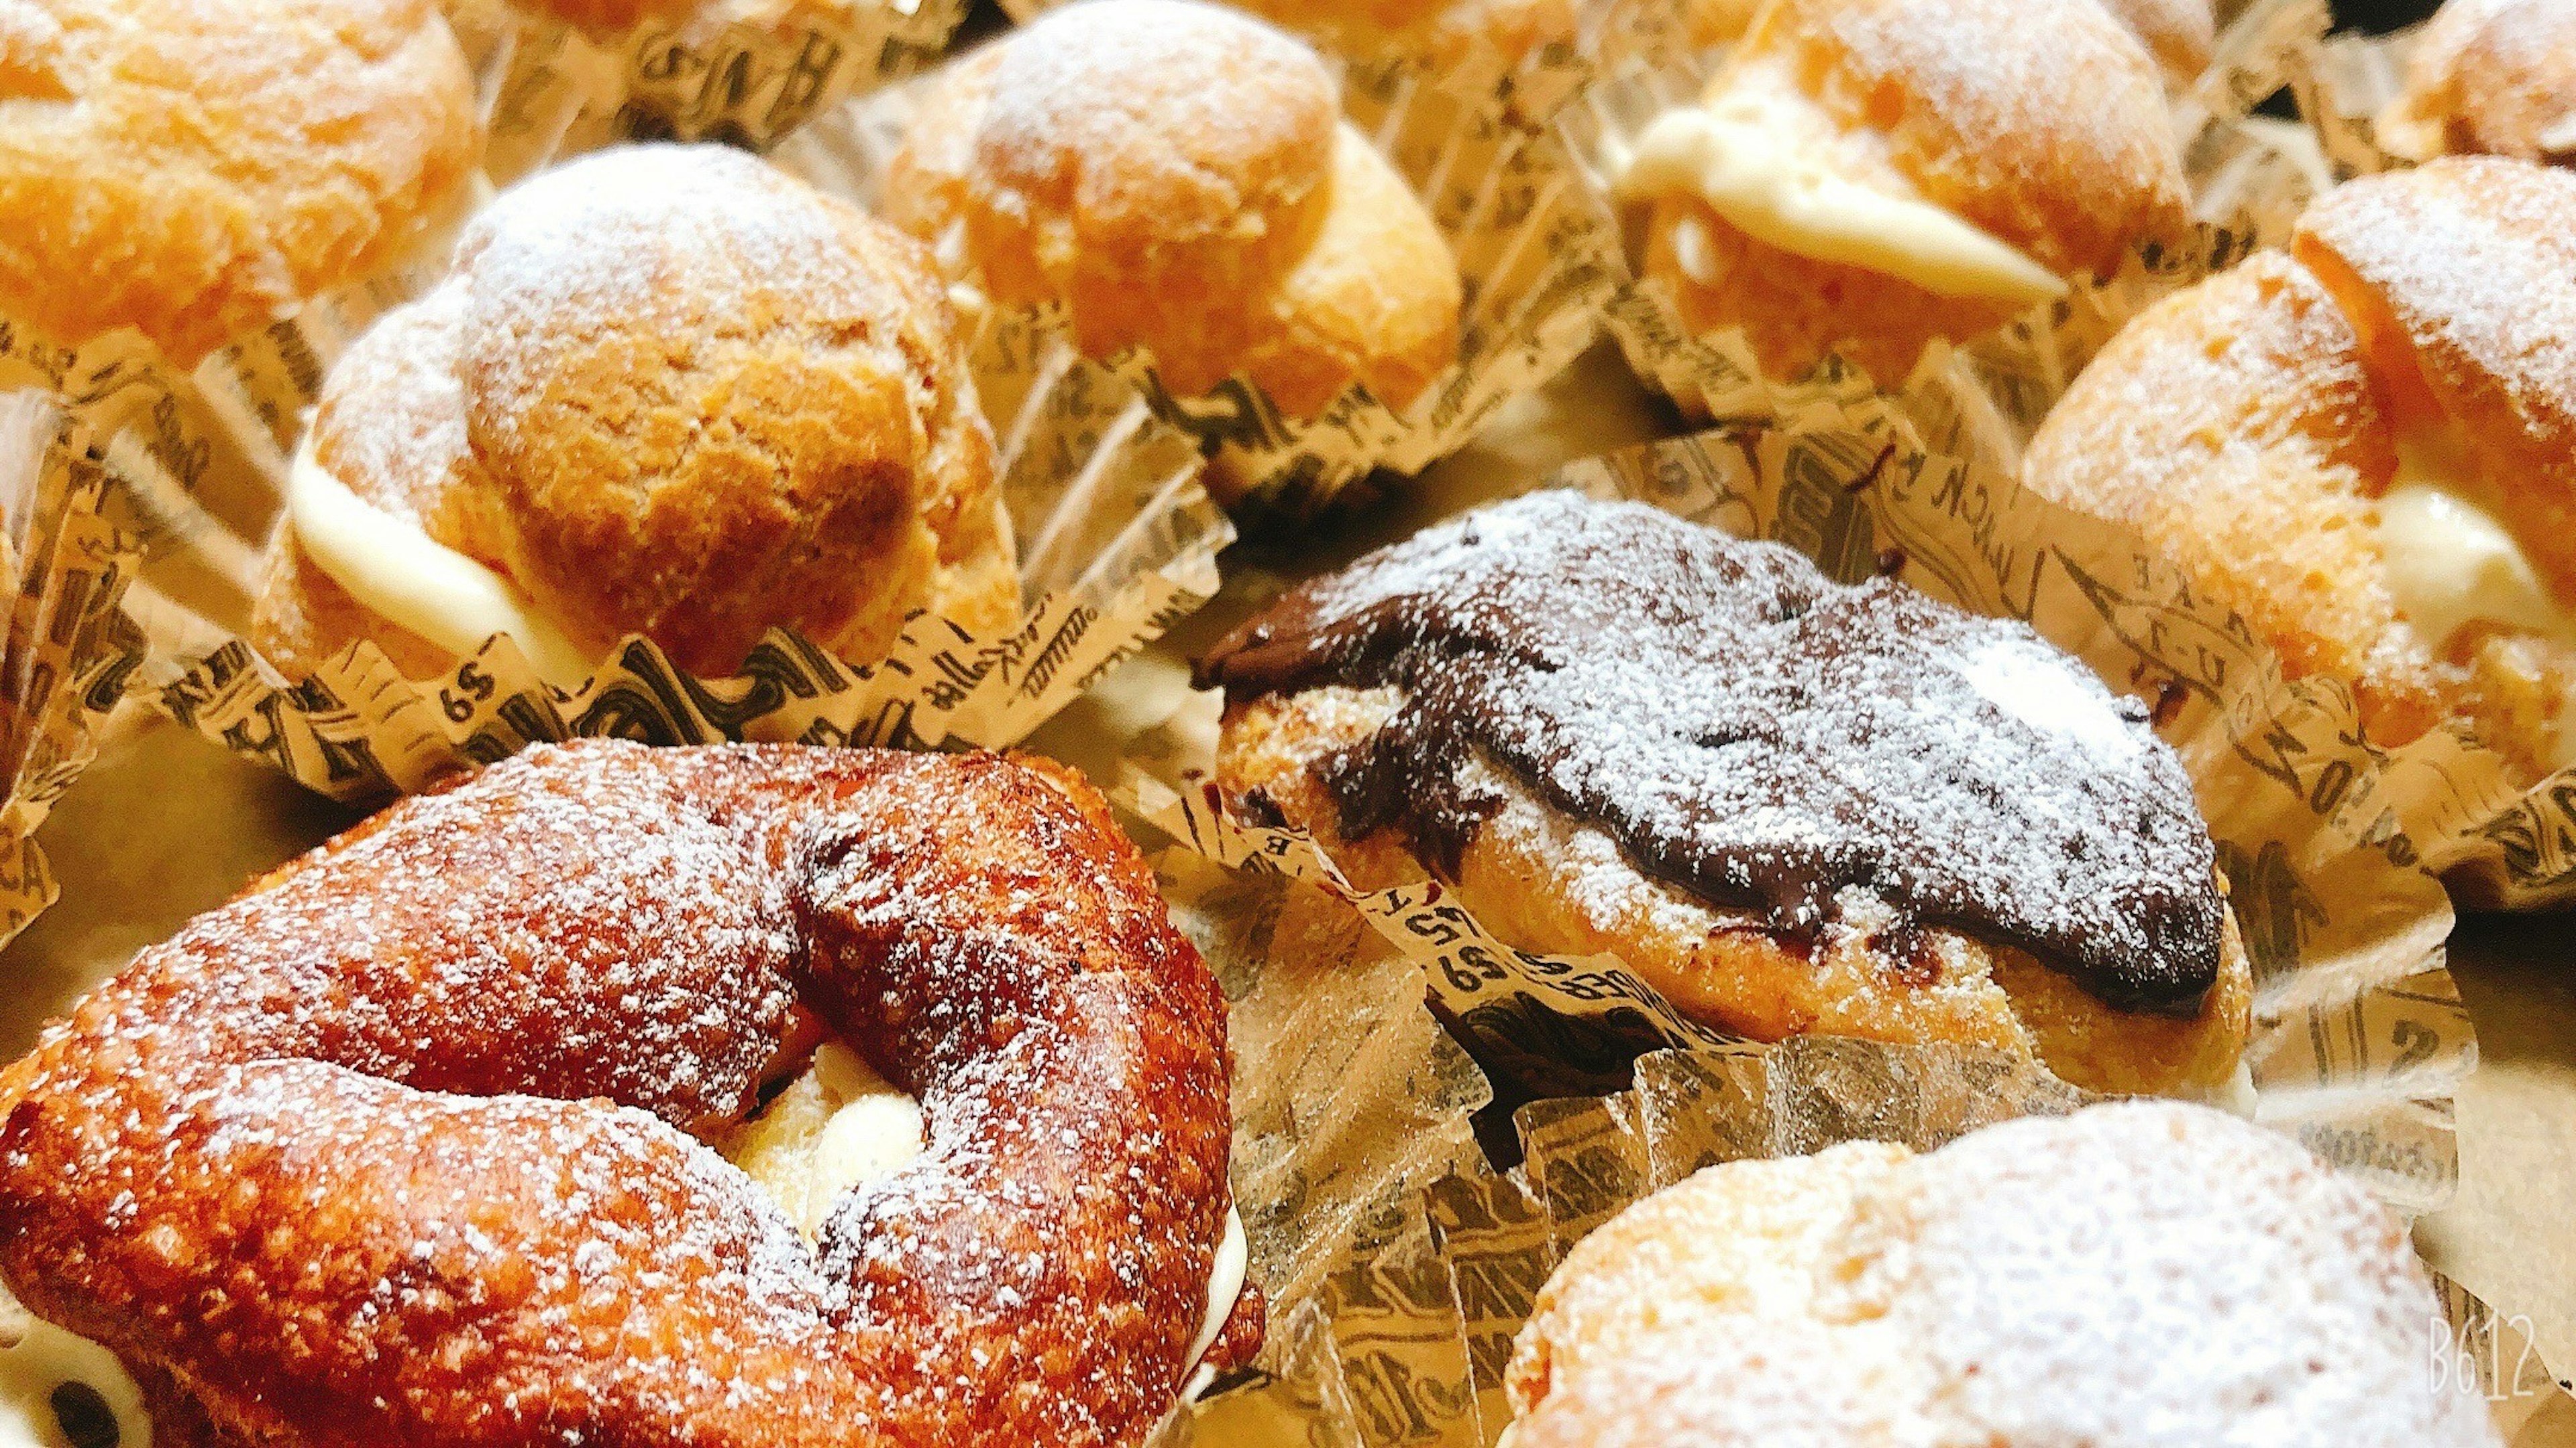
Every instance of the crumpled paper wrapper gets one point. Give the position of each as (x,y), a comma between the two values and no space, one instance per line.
(1536,253)
(2496,843)
(1400,1263)
(67,652)
(743,72)
(2360,1038)
(1117,538)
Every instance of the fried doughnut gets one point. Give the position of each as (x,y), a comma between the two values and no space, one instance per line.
(1177,177)
(2136,1274)
(666,390)
(2367,448)
(1788,805)
(409,1145)
(2491,77)
(1864,176)
(190,170)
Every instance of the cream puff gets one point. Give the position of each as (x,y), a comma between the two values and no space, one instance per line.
(1788,805)
(1445,30)
(193,170)
(2132,1275)
(1865,176)
(2366,446)
(2489,77)
(1178,177)
(666,390)
(2180,34)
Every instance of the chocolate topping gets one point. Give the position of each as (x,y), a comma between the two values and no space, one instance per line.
(1755,734)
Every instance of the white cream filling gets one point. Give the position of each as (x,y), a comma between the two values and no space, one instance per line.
(840,1126)
(43,1358)
(1728,156)
(396,569)
(2450,564)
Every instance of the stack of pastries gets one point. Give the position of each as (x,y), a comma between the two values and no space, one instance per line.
(768,1094)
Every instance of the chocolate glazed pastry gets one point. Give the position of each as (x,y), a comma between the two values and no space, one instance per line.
(410,1145)
(1791,805)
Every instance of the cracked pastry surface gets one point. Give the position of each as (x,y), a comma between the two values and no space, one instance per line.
(1790,806)
(1885,137)
(2367,447)
(190,170)
(665,390)
(411,1143)
(2135,1274)
(1178,177)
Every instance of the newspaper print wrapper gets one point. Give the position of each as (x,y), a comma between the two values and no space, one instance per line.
(68,651)
(743,72)
(1117,539)
(1535,251)
(2360,1037)
(2502,845)
(1399,1262)
(2497,843)
(2249,178)
(1534,55)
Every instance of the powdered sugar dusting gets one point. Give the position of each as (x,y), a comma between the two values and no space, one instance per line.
(1756,735)
(413,1139)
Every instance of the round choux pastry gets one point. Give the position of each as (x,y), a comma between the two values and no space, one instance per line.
(1898,821)
(1444,31)
(2367,448)
(192,170)
(1865,176)
(2180,33)
(1178,177)
(666,390)
(2132,1275)
(2489,77)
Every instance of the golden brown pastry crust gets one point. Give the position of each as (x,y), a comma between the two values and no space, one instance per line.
(1445,30)
(2015,1287)
(1518,876)
(1178,178)
(190,169)
(2248,426)
(2496,77)
(670,391)
(404,1146)
(2180,34)
(2045,126)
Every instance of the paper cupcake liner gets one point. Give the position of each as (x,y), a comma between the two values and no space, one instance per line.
(2360,1039)
(746,75)
(1399,1262)
(1118,539)
(1535,252)
(68,651)
(2342,87)
(2249,178)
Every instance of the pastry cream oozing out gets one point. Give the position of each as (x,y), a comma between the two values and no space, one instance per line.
(397,570)
(38,1358)
(2451,564)
(1728,154)
(840,1125)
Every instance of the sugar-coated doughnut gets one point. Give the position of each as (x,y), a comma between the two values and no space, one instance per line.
(1789,805)
(1177,177)
(666,390)
(190,170)
(2132,1275)
(410,1144)
(2367,447)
